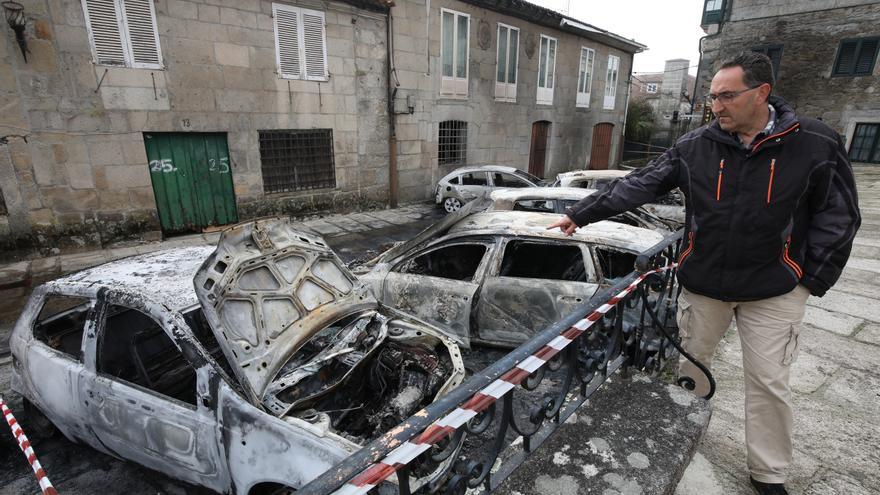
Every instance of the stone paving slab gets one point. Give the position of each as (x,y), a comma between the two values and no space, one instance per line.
(610,446)
(869,334)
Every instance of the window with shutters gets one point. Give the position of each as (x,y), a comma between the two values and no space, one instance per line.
(452,143)
(856,57)
(454,52)
(611,82)
(300,43)
(507,59)
(296,160)
(123,33)
(546,70)
(774,53)
(585,77)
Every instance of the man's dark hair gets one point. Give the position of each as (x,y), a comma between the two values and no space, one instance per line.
(757,68)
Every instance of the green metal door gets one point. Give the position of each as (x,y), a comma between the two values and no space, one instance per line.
(192,180)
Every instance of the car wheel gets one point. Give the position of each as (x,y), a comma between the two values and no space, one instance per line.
(451,204)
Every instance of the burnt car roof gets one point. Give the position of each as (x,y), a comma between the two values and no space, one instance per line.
(163,276)
(520,223)
(504,199)
(593,174)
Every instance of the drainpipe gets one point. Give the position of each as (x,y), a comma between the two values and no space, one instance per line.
(625,111)
(392,131)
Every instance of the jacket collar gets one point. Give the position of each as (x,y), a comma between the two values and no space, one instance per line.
(785,120)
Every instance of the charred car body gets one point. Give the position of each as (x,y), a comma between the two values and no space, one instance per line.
(498,277)
(286,367)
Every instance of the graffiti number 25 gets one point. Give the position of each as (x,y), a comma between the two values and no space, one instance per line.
(220,168)
(162,166)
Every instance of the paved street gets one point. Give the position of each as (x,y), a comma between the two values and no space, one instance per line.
(836,382)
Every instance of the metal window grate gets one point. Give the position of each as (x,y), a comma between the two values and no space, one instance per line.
(452,143)
(296,160)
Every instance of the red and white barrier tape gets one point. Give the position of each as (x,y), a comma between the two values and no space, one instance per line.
(25,445)
(409,450)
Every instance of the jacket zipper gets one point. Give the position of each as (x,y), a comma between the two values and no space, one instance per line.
(770,184)
(755,147)
(790,262)
(720,176)
(687,251)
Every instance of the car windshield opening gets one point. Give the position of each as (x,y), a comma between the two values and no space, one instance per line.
(544,261)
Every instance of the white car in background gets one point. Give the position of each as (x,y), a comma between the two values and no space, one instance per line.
(467,183)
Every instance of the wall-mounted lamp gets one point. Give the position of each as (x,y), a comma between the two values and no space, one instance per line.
(17,21)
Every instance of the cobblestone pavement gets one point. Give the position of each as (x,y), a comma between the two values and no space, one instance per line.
(835,381)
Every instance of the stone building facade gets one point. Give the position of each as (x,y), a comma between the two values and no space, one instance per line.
(80,163)
(667,92)
(824,54)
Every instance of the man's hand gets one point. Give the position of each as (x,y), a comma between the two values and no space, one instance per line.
(565,224)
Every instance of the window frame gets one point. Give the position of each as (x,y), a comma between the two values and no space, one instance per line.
(459,155)
(583,97)
(97,342)
(504,89)
(124,37)
(651,88)
(765,49)
(713,16)
(858,50)
(590,269)
(610,100)
(297,136)
(544,94)
(478,274)
(300,34)
(80,358)
(872,148)
(454,86)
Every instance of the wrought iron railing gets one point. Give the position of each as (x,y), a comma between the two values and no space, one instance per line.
(478,434)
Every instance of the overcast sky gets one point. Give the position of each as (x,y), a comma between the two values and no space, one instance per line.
(671,29)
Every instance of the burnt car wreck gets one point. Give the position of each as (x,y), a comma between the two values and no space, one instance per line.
(276,367)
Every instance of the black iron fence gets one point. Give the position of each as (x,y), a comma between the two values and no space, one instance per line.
(478,434)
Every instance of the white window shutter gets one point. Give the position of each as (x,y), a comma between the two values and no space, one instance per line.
(141,24)
(314,44)
(287,41)
(104,22)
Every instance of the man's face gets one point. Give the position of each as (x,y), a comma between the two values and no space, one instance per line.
(737,107)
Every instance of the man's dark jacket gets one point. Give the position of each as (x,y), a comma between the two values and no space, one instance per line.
(759,221)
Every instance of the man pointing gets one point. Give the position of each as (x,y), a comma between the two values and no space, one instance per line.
(771,214)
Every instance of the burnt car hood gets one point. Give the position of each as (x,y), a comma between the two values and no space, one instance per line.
(266,290)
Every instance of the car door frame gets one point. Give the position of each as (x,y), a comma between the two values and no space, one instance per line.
(465,293)
(46,388)
(566,295)
(157,410)
(467,192)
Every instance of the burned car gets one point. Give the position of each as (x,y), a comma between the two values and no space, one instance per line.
(498,277)
(590,179)
(653,216)
(467,183)
(249,368)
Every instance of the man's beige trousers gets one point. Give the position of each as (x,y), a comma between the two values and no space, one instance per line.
(768,330)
